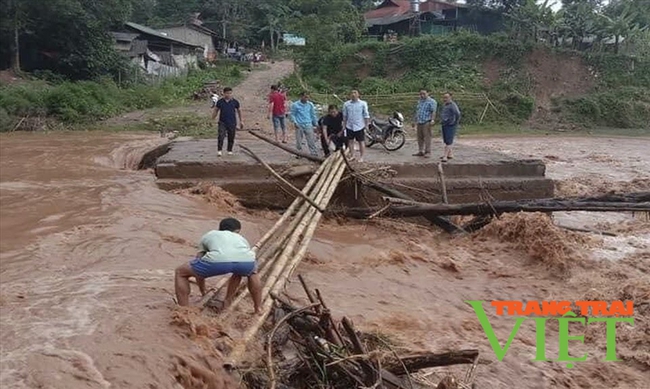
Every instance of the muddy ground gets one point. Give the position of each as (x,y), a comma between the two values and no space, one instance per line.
(88,250)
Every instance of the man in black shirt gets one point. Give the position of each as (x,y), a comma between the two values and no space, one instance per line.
(228,110)
(331,129)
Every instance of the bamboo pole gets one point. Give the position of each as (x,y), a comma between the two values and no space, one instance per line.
(294,205)
(261,246)
(280,282)
(295,190)
(293,234)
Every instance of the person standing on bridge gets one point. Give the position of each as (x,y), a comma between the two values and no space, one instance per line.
(356,119)
(221,252)
(228,110)
(425,114)
(304,118)
(449,117)
(277,111)
(331,130)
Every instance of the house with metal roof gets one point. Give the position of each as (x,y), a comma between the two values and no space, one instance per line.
(156,52)
(195,33)
(415,17)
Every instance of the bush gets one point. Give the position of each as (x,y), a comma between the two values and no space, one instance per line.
(455,63)
(626,107)
(86,101)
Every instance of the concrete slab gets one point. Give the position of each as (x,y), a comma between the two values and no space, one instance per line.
(468,175)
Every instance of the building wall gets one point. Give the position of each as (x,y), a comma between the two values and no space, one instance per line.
(190,35)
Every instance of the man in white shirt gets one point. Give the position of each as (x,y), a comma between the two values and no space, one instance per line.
(356,119)
(221,252)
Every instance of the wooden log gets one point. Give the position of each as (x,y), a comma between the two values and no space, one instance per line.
(443,185)
(295,190)
(335,334)
(298,171)
(294,205)
(287,148)
(412,208)
(269,346)
(589,230)
(423,360)
(441,222)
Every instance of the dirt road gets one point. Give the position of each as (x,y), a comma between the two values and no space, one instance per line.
(252,93)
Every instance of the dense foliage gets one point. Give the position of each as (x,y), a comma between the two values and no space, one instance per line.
(621,97)
(70,37)
(85,101)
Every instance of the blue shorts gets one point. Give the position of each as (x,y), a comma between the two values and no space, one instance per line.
(448,133)
(205,269)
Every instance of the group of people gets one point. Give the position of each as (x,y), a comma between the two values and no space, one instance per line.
(336,130)
(339,129)
(225,251)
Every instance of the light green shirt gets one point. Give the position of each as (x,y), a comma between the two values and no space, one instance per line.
(225,246)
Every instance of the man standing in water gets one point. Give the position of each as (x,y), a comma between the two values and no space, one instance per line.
(221,252)
(356,119)
(228,110)
(424,115)
(449,117)
(303,117)
(277,107)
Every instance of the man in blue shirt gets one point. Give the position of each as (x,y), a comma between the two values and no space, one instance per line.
(425,114)
(303,117)
(356,119)
(227,109)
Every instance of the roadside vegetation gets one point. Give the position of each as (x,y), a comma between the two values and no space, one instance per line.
(82,102)
(75,77)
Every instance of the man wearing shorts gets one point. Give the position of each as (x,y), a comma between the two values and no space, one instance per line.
(449,118)
(277,112)
(221,252)
(356,119)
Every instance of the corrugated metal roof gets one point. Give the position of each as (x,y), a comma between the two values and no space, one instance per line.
(158,34)
(393,8)
(124,36)
(388,20)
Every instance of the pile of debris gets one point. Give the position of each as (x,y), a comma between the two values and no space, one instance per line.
(327,354)
(208,89)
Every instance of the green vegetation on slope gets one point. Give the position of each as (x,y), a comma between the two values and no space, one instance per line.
(457,63)
(87,101)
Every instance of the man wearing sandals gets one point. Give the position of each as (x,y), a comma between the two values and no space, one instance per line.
(221,252)
(425,114)
(449,118)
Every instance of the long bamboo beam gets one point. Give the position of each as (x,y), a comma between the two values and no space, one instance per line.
(295,190)
(287,241)
(252,330)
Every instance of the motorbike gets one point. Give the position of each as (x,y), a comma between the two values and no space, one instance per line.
(388,133)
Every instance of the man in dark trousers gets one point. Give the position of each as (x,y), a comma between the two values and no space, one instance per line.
(331,130)
(228,110)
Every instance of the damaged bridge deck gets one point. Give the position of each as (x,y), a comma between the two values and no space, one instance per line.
(471,173)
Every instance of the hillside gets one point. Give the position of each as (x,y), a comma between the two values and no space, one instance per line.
(518,83)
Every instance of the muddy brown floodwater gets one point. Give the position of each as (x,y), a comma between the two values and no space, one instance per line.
(88,247)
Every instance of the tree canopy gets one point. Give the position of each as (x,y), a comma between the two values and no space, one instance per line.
(70,37)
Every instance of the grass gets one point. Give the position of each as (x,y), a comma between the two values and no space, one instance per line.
(85,102)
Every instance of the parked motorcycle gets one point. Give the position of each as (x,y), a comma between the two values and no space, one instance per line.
(388,133)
